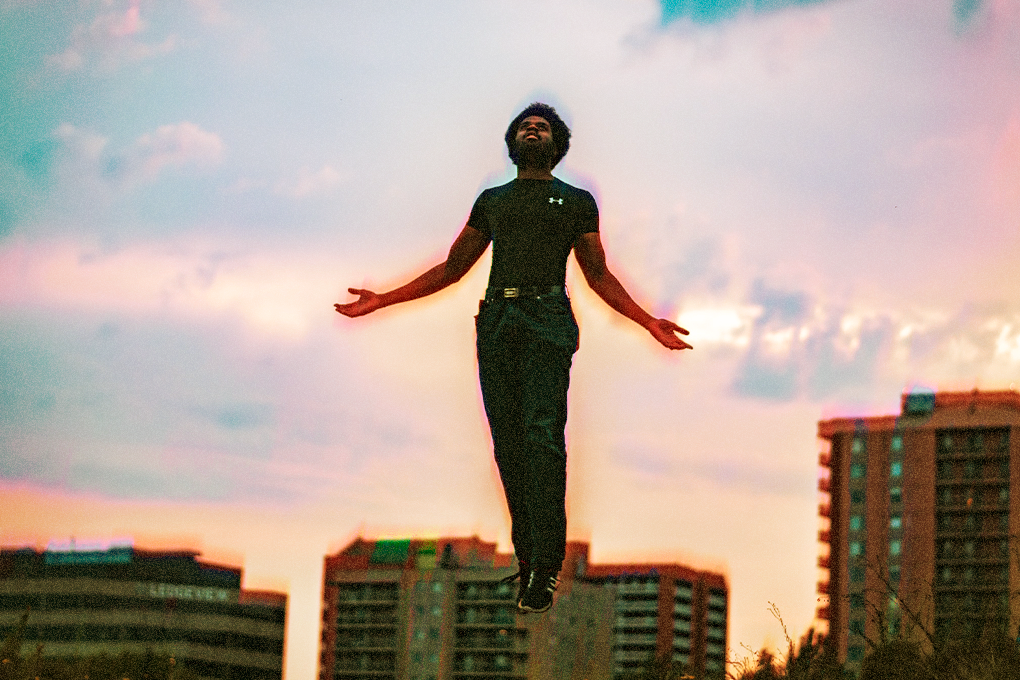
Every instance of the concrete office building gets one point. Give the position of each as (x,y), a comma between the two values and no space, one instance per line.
(436,610)
(917,524)
(118,600)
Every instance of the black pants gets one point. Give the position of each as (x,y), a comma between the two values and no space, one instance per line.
(525,348)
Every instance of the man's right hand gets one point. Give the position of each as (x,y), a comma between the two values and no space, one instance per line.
(367,302)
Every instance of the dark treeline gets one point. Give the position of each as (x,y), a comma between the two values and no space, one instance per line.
(984,658)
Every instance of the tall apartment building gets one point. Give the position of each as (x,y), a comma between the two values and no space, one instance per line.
(920,513)
(437,610)
(666,611)
(82,603)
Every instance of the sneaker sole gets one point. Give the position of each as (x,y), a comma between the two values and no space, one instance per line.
(529,610)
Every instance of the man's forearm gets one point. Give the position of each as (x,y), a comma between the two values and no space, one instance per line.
(432,281)
(609,288)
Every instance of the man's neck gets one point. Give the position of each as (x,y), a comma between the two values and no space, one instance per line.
(534,173)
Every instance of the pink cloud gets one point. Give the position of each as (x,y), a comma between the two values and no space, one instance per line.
(109,41)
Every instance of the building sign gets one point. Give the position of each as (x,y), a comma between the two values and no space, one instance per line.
(169,591)
(73,556)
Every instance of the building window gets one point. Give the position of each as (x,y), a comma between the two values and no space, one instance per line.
(857,627)
(856,575)
(896,469)
(856,522)
(856,495)
(855,654)
(895,547)
(896,494)
(856,548)
(897,443)
(857,446)
(856,470)
(894,573)
(896,522)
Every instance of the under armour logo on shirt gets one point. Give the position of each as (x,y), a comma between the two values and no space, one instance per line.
(556,200)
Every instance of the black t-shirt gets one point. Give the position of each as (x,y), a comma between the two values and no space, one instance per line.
(533,224)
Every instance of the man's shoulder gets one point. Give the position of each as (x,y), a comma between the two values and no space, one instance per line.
(499,190)
(570,189)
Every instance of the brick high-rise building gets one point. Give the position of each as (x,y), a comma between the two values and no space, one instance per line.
(666,611)
(436,610)
(921,510)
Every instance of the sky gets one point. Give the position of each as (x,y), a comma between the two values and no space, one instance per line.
(826,193)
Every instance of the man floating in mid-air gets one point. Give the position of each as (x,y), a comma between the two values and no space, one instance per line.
(526,332)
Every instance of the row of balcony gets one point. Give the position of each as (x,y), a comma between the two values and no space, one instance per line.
(496,591)
(385,617)
(509,664)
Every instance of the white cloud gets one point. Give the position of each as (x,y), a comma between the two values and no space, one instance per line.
(171,145)
(312,183)
(87,161)
(727,326)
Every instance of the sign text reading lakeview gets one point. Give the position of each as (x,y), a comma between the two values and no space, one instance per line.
(169,591)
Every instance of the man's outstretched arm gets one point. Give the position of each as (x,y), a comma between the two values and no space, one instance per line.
(464,252)
(592,259)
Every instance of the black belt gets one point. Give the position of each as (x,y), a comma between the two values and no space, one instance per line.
(528,292)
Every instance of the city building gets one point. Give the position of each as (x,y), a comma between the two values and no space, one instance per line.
(439,610)
(123,599)
(918,511)
(666,611)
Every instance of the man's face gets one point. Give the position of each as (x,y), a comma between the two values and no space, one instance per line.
(534,129)
(534,141)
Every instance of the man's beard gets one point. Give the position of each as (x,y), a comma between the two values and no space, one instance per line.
(532,155)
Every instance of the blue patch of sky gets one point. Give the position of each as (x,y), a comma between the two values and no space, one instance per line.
(965,11)
(834,373)
(764,376)
(715,11)
(124,480)
(244,416)
(29,375)
(8,217)
(750,478)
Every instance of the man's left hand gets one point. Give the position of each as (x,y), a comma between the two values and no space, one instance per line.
(665,332)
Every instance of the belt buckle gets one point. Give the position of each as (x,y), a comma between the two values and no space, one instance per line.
(511,292)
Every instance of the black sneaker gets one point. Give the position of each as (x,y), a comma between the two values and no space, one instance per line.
(522,576)
(538,595)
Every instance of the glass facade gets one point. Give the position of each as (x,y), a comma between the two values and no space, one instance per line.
(972,531)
